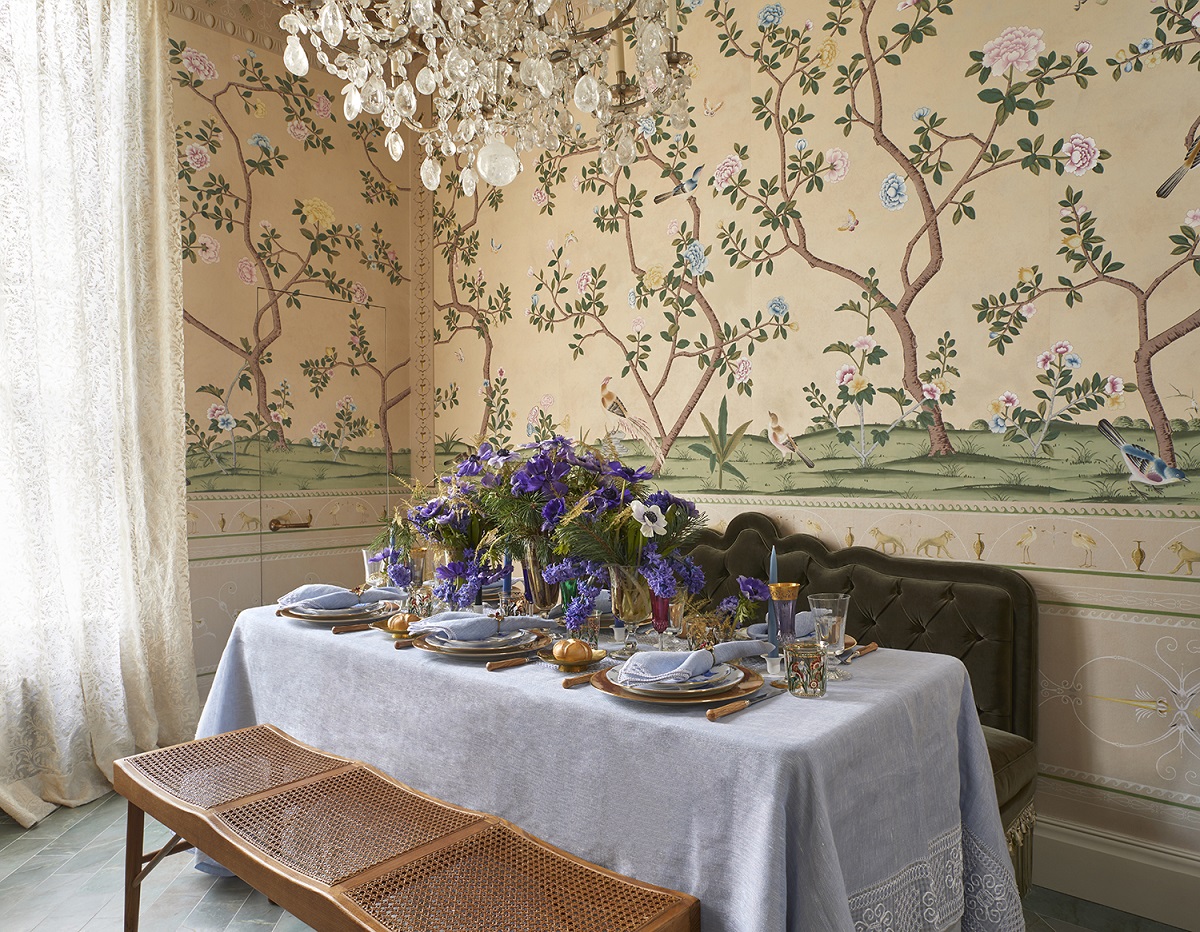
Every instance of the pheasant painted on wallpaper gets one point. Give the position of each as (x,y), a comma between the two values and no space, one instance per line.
(1145,468)
(630,424)
(782,441)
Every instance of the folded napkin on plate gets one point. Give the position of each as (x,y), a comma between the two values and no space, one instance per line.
(656,666)
(471,626)
(806,627)
(325,596)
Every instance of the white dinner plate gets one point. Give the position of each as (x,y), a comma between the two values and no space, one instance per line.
(364,611)
(508,641)
(719,678)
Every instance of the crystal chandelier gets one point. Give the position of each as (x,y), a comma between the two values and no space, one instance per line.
(501,76)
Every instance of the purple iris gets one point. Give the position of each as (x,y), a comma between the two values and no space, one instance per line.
(754,589)
(605,498)
(619,470)
(541,474)
(552,514)
(400,574)
(664,500)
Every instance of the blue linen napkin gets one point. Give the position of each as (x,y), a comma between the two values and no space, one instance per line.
(326,596)
(471,626)
(806,627)
(657,666)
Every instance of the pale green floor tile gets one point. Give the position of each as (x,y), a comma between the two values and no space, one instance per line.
(289,923)
(256,915)
(175,903)
(219,906)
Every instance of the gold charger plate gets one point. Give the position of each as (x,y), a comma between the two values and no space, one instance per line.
(749,685)
(543,640)
(386,609)
(548,656)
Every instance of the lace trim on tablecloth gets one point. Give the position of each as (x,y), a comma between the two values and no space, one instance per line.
(960,877)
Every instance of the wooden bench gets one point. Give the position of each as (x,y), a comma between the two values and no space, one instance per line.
(343,846)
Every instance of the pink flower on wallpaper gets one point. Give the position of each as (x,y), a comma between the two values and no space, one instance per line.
(391,254)
(638,324)
(500,373)
(318,428)
(576,182)
(1027,310)
(865,343)
(845,375)
(585,280)
(1083,48)
(539,196)
(355,339)
(1017,47)
(358,293)
(726,172)
(323,105)
(1082,154)
(1192,218)
(741,371)
(1114,385)
(930,391)
(673,228)
(197,63)
(197,157)
(1009,400)
(246,270)
(1044,359)
(297,130)
(1068,213)
(547,400)
(215,411)
(276,416)
(905,5)
(839,163)
(1061,348)
(208,248)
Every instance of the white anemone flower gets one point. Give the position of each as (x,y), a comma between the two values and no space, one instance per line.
(651,519)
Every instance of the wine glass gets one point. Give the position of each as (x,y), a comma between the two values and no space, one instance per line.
(830,610)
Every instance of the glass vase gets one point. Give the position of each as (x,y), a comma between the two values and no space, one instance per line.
(540,594)
(783,601)
(630,603)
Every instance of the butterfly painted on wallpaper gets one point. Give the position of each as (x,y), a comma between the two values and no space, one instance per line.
(458,354)
(496,247)
(851,223)
(711,109)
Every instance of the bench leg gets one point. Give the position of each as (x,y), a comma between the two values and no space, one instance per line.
(135,824)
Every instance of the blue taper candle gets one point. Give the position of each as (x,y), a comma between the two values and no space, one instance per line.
(507,583)
(772,621)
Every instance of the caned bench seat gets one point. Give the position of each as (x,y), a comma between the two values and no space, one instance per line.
(343,846)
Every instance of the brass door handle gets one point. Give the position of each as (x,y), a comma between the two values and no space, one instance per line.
(278,524)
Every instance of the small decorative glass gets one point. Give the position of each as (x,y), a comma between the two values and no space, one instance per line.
(807,668)
(709,630)
(416,565)
(660,616)
(830,610)
(783,600)
(630,603)
(588,631)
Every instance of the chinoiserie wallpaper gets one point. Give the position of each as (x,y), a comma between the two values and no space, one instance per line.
(886,285)
(295,237)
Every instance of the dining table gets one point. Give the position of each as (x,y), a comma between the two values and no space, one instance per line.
(871,809)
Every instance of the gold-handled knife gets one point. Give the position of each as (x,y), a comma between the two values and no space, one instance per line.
(730,707)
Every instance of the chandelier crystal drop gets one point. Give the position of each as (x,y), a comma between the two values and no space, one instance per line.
(486,80)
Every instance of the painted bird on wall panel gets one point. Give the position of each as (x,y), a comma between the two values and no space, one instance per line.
(631,424)
(1145,468)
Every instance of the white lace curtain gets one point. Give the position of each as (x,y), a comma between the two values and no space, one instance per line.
(95,644)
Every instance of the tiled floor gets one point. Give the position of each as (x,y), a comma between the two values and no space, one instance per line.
(65,875)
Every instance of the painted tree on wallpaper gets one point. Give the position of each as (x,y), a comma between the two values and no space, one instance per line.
(695,344)
(279,262)
(1015,77)
(1085,250)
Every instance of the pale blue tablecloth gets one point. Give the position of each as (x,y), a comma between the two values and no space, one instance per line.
(872,810)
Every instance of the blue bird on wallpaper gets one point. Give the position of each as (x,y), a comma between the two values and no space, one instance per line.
(1144,467)
(684,187)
